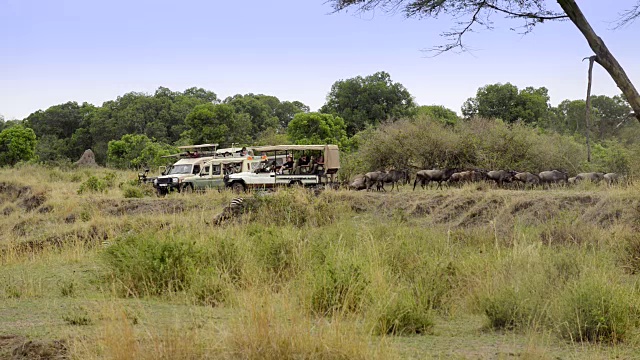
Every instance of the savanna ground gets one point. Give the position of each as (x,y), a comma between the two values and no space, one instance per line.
(92,266)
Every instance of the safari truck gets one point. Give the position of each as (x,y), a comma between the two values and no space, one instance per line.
(294,171)
(212,174)
(190,162)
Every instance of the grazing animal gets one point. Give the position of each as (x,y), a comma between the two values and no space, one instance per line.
(394,177)
(424,177)
(553,177)
(612,178)
(467,176)
(372,178)
(527,178)
(358,183)
(501,176)
(594,177)
(571,180)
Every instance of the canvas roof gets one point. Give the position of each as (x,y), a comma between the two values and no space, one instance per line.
(289,147)
(197,146)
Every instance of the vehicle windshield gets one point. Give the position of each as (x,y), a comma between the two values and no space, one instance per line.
(180,169)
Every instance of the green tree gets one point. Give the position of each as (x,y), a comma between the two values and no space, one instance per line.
(218,124)
(506,102)
(469,15)
(17,143)
(135,151)
(438,112)
(317,128)
(369,100)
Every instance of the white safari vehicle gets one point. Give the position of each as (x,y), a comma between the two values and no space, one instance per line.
(191,162)
(313,165)
(212,174)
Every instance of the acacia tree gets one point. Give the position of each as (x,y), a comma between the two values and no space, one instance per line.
(471,14)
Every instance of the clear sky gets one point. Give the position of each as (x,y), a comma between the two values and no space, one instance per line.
(54,51)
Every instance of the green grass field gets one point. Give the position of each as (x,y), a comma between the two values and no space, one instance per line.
(463,273)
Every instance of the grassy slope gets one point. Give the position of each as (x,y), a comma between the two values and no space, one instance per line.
(54,275)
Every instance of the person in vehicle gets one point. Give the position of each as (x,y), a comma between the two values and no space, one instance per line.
(318,164)
(303,164)
(288,165)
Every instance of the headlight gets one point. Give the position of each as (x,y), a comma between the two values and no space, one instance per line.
(155,181)
(174,180)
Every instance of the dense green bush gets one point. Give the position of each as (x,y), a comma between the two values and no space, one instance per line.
(402,314)
(337,286)
(146,265)
(478,143)
(596,309)
(93,184)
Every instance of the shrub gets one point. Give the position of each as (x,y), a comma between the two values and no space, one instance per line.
(93,184)
(338,286)
(403,314)
(77,316)
(275,250)
(210,288)
(151,266)
(132,192)
(595,309)
(509,308)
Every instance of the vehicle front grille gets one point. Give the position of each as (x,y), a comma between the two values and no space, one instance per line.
(164,180)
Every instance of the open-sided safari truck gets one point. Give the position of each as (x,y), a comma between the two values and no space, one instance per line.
(320,167)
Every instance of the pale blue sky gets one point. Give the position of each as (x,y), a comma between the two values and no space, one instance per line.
(54,51)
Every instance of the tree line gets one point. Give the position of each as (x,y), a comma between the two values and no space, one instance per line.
(137,129)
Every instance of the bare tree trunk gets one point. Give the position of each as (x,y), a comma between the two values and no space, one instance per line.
(603,55)
(588,111)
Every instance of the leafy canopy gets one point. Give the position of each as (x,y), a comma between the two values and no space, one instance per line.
(135,151)
(369,100)
(506,102)
(317,128)
(17,143)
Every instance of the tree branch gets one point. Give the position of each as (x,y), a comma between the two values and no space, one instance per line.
(629,16)
(539,16)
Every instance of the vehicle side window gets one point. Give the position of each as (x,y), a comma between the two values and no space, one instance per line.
(206,170)
(216,170)
(196,169)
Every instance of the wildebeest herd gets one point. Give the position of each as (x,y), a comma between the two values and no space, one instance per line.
(424,178)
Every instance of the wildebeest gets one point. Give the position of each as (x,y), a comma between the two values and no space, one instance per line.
(394,177)
(467,176)
(527,178)
(501,176)
(372,178)
(612,178)
(424,177)
(594,177)
(553,177)
(358,183)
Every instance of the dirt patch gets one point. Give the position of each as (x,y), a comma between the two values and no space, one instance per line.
(482,214)
(70,219)
(32,202)
(29,199)
(42,350)
(16,347)
(455,208)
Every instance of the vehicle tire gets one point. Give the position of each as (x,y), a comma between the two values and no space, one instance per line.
(162,192)
(187,188)
(237,187)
